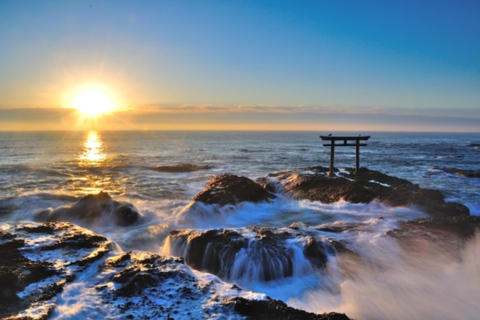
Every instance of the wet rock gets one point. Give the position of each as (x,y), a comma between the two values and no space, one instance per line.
(364,187)
(231,189)
(24,264)
(94,209)
(212,250)
(462,172)
(463,227)
(275,309)
(253,254)
(184,167)
(315,252)
(142,272)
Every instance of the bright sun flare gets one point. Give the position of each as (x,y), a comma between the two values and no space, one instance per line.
(93,102)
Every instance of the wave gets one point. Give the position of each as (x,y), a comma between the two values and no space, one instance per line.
(391,283)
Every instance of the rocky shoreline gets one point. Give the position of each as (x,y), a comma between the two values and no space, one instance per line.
(35,273)
(41,261)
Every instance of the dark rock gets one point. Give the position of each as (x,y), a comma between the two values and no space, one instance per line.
(463,227)
(315,252)
(47,227)
(17,272)
(143,273)
(212,251)
(231,189)
(79,247)
(94,209)
(184,167)
(364,187)
(265,256)
(275,309)
(462,172)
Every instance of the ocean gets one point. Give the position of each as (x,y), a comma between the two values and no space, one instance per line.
(47,170)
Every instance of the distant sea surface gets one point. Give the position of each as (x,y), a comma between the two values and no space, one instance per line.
(120,162)
(47,170)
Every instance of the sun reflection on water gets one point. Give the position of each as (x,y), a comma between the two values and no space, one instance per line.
(93,154)
(95,169)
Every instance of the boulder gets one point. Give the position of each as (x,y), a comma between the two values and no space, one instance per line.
(253,254)
(364,187)
(94,209)
(231,189)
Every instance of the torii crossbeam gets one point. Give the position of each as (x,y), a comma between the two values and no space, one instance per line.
(346,139)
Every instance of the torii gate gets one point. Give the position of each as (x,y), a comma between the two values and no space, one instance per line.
(345,140)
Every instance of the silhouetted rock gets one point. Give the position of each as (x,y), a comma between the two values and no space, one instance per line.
(275,309)
(364,187)
(184,167)
(231,189)
(462,172)
(94,209)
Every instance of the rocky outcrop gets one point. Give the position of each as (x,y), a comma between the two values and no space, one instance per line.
(94,209)
(253,254)
(231,189)
(461,227)
(182,168)
(273,309)
(461,172)
(41,261)
(38,261)
(365,186)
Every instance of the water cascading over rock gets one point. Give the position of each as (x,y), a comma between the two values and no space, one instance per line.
(257,254)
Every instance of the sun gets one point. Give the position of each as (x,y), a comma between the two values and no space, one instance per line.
(92,101)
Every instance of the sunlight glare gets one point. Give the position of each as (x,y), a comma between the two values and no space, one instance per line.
(93,102)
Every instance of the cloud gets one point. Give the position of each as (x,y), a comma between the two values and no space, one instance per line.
(301,109)
(247,117)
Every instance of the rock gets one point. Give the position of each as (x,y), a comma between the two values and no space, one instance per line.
(364,187)
(231,189)
(141,272)
(275,309)
(212,250)
(253,254)
(315,252)
(47,272)
(463,227)
(184,167)
(94,209)
(461,172)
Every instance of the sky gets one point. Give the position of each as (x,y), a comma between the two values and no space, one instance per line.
(242,65)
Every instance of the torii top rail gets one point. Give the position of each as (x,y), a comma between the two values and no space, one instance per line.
(348,141)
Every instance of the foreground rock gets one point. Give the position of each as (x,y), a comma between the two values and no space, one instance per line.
(231,189)
(366,186)
(257,254)
(274,309)
(49,269)
(38,260)
(94,209)
(182,168)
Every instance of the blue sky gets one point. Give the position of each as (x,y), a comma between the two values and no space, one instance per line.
(417,59)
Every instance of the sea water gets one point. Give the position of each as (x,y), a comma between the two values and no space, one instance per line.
(42,170)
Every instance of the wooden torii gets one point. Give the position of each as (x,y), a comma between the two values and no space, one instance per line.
(346,140)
